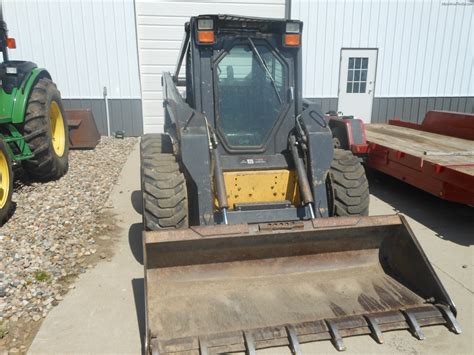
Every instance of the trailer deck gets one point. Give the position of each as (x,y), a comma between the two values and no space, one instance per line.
(439,164)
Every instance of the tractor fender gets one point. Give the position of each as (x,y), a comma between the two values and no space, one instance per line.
(349,133)
(22,95)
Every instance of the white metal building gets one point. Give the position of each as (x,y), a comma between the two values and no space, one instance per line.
(420,55)
(375,59)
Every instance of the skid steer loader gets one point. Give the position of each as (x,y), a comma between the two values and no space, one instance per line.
(256,227)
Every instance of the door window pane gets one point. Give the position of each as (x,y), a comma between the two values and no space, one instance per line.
(351,63)
(251,94)
(357,75)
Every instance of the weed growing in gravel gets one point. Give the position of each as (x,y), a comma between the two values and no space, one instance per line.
(3,331)
(42,276)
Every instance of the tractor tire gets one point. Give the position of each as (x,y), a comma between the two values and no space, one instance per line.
(164,192)
(348,188)
(6,184)
(46,132)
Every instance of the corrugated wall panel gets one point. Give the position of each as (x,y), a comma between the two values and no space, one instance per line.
(126,113)
(414,109)
(425,47)
(160,29)
(85,44)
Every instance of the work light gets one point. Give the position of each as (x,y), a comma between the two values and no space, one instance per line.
(292,37)
(205,24)
(11,70)
(205,33)
(292,27)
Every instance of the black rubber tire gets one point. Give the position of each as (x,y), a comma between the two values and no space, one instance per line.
(152,144)
(155,143)
(5,210)
(164,192)
(347,186)
(46,164)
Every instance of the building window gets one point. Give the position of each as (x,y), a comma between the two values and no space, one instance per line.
(357,75)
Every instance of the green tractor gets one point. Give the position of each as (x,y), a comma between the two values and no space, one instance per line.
(33,128)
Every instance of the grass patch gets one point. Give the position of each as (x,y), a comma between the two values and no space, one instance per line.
(42,276)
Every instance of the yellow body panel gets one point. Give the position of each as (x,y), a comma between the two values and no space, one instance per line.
(261,186)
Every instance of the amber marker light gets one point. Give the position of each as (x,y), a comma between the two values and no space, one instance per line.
(206,36)
(11,43)
(292,39)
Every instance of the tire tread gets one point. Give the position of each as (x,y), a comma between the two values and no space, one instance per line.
(349,185)
(164,192)
(45,164)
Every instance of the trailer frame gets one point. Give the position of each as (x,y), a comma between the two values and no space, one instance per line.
(427,170)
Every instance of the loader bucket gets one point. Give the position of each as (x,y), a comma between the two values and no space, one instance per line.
(226,288)
(83,132)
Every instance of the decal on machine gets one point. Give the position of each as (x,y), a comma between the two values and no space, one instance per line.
(253,161)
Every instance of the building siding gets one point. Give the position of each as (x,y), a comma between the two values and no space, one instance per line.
(425,56)
(411,109)
(86,45)
(160,30)
(425,48)
(125,114)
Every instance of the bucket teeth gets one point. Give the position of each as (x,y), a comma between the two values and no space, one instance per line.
(293,334)
(335,336)
(413,324)
(293,340)
(249,343)
(375,329)
(451,321)
(154,346)
(203,347)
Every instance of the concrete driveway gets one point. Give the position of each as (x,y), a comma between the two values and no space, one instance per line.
(104,314)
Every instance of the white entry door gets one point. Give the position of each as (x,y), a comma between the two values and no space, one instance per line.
(357,82)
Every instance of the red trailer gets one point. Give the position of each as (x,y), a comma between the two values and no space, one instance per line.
(436,156)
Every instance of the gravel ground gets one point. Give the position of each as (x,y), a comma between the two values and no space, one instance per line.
(56,230)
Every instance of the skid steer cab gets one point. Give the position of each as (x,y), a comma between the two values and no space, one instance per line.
(33,129)
(255,208)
